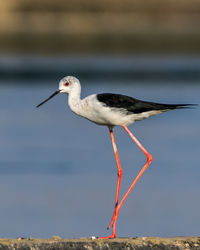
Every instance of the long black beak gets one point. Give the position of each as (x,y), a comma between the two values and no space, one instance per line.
(54,94)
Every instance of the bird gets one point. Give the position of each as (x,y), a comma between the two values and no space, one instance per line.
(112,110)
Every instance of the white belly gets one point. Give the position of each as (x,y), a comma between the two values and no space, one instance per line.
(96,112)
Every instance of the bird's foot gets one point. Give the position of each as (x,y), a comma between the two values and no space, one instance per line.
(113,236)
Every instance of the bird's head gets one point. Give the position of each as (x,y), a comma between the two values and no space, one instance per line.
(67,85)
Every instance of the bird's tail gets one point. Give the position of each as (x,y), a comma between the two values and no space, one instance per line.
(179,106)
(166,107)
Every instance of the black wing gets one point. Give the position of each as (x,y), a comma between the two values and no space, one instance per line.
(132,105)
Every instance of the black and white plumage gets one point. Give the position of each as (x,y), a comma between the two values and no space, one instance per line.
(109,109)
(130,105)
(112,110)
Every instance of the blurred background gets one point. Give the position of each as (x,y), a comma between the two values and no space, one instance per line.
(57,170)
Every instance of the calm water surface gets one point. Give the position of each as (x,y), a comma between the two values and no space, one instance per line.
(58,172)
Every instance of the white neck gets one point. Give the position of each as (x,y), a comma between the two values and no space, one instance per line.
(74,100)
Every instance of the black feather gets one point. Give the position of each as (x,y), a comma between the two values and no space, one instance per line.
(132,105)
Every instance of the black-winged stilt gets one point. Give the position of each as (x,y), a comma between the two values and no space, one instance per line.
(112,110)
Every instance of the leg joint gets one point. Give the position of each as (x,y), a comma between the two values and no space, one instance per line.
(149,158)
(120,173)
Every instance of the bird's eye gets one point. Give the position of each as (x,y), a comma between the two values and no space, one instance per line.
(66,84)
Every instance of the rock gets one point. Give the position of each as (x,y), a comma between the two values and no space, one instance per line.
(144,243)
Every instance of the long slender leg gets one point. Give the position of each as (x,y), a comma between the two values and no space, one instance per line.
(119,173)
(149,160)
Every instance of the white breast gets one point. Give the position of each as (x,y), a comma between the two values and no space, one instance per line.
(95,111)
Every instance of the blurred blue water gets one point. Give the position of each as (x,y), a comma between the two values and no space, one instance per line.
(58,172)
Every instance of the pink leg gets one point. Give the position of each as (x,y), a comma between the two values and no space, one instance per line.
(149,160)
(118,206)
(119,173)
